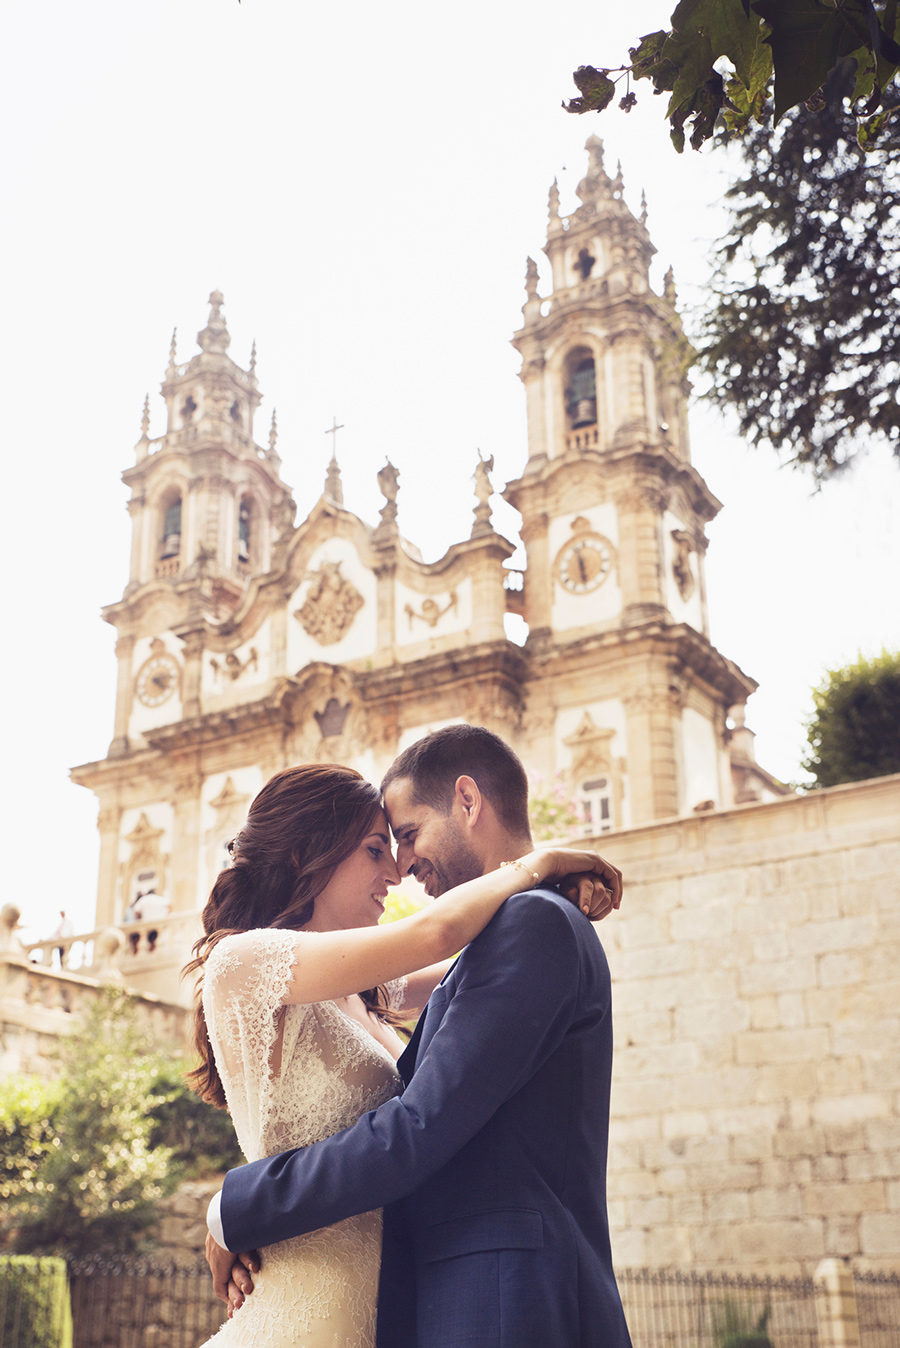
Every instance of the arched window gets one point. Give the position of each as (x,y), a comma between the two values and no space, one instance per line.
(245,518)
(581,389)
(171,530)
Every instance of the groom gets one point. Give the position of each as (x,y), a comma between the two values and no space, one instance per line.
(491,1166)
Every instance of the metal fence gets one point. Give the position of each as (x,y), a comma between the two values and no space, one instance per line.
(878,1309)
(133,1303)
(666,1308)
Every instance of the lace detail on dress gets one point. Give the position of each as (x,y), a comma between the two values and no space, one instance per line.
(293,1075)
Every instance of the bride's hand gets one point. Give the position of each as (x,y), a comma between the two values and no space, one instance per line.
(583,877)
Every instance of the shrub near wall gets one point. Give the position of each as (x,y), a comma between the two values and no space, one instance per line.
(34,1302)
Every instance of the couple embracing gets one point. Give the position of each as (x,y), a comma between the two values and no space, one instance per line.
(483,1140)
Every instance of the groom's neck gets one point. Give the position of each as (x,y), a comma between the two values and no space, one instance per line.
(505,846)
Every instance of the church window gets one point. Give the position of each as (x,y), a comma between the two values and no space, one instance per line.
(245,513)
(581,390)
(585,264)
(596,806)
(235,411)
(188,409)
(171,530)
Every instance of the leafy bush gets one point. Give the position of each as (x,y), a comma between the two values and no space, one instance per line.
(199,1138)
(28,1108)
(854,732)
(35,1311)
(100,1181)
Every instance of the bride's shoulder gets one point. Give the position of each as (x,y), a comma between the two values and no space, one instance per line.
(243,952)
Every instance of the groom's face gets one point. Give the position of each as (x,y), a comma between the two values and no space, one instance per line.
(431,845)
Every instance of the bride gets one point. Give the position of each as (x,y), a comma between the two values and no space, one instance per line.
(290,1045)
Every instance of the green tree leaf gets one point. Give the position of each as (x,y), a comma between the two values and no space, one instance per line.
(807,39)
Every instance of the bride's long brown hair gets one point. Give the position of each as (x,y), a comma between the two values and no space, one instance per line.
(305,821)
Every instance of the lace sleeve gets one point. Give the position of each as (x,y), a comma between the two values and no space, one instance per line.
(396,993)
(244,985)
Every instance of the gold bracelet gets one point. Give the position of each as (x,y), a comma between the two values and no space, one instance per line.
(532,875)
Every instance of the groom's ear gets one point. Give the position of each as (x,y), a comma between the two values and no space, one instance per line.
(468,800)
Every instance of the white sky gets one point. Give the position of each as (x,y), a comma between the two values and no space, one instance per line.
(363,182)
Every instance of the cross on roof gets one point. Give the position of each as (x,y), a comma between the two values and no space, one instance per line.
(332,431)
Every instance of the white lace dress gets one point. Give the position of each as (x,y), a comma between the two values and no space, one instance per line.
(293,1075)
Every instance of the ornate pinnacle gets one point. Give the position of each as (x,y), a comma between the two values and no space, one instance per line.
(553,201)
(669,292)
(215,336)
(334,488)
(253,357)
(618,186)
(483,490)
(273,433)
(643,207)
(172,348)
(531,278)
(145,417)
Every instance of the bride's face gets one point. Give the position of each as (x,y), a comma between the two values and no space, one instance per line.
(355,894)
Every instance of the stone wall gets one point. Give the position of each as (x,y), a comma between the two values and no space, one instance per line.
(756,1087)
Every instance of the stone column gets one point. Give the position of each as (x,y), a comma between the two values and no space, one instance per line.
(108,822)
(640,510)
(139,523)
(194,645)
(836,1312)
(538,577)
(652,755)
(386,600)
(124,694)
(186,836)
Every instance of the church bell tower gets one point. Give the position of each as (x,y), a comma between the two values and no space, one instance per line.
(613,523)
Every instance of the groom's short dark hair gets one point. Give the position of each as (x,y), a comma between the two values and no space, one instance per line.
(434,762)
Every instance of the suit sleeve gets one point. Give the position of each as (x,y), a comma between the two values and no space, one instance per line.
(515,997)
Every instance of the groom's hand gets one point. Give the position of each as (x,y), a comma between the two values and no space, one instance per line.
(232,1274)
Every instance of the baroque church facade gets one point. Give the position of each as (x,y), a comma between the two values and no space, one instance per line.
(756,1080)
(248,641)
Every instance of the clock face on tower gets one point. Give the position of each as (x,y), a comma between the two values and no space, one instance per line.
(584,563)
(157,679)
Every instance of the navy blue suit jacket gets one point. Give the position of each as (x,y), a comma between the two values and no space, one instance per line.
(491,1166)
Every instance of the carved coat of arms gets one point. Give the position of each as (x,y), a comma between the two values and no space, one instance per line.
(331,604)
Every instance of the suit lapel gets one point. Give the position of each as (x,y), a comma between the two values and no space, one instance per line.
(406,1063)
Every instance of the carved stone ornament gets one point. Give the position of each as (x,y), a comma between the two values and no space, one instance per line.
(146,866)
(232,667)
(681,565)
(431,611)
(331,604)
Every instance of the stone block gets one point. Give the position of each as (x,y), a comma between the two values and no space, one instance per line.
(732,1205)
(844,1199)
(782,1203)
(753,1146)
(866,1165)
(703,1019)
(763,1012)
(713,923)
(791,1010)
(779,1046)
(648,1212)
(845,966)
(842,1238)
(827,1168)
(838,1076)
(761,976)
(879,1234)
(819,938)
(850,1109)
(782,1172)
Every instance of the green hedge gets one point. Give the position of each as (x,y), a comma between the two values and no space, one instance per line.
(35,1311)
